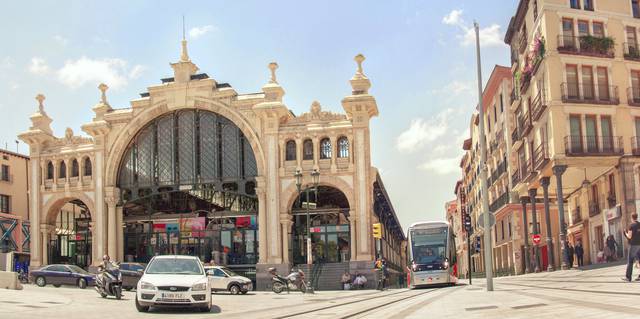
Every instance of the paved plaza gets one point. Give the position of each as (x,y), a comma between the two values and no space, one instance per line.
(596,293)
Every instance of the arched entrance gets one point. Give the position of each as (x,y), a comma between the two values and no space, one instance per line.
(70,237)
(328,210)
(187,183)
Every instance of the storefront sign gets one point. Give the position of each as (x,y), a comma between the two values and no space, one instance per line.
(613,213)
(192,227)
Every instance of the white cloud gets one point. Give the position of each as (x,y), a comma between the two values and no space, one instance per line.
(112,71)
(60,39)
(489,36)
(38,66)
(197,32)
(422,132)
(453,18)
(442,166)
(6,63)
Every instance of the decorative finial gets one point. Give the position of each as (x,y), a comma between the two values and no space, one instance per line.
(40,98)
(273,66)
(359,59)
(103,88)
(184,55)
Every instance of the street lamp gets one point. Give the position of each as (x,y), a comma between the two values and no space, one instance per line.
(315,178)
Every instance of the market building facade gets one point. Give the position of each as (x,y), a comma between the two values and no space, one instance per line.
(193,167)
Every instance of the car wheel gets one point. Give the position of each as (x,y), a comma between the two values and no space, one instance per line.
(57,285)
(82,283)
(140,307)
(206,308)
(41,282)
(234,289)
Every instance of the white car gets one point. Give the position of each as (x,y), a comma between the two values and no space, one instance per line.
(224,279)
(178,281)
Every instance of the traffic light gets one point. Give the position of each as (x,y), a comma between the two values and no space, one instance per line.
(478,245)
(467,223)
(377,230)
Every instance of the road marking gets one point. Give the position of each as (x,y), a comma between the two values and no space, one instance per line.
(481,308)
(529,306)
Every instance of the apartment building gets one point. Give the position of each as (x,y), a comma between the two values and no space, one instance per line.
(14,202)
(576,72)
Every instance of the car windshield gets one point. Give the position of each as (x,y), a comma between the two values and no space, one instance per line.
(77,269)
(179,266)
(229,271)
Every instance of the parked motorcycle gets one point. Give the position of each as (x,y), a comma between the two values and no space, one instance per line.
(294,281)
(23,276)
(109,282)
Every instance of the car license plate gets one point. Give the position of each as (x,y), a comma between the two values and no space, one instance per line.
(171,295)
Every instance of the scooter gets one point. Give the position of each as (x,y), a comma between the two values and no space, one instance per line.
(23,276)
(109,282)
(294,281)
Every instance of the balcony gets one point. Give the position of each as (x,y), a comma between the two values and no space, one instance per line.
(538,106)
(513,96)
(635,145)
(499,202)
(593,145)
(586,45)
(515,178)
(576,216)
(631,51)
(526,123)
(586,93)
(633,96)
(594,208)
(540,156)
(514,135)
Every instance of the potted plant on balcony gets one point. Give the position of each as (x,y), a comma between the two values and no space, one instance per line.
(599,45)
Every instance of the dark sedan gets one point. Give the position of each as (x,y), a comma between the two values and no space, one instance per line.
(58,275)
(131,273)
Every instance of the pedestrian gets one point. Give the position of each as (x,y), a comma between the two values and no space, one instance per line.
(569,255)
(613,248)
(346,281)
(579,253)
(633,236)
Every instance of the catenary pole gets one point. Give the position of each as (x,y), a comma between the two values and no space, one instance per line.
(488,254)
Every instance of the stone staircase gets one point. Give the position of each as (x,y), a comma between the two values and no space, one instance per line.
(325,276)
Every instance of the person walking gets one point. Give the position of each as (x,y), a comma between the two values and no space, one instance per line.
(613,248)
(579,253)
(633,236)
(570,252)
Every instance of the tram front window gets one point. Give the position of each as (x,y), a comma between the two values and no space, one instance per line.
(429,246)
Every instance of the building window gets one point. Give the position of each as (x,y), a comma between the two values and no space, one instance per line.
(62,171)
(612,189)
(75,168)
(87,166)
(575,4)
(598,29)
(587,5)
(325,148)
(49,170)
(632,41)
(290,150)
(572,81)
(501,104)
(5,173)
(5,206)
(343,147)
(307,150)
(636,8)
(495,114)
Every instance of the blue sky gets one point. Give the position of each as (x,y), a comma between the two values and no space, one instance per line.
(420,59)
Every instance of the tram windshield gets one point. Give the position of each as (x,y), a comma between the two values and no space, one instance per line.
(429,246)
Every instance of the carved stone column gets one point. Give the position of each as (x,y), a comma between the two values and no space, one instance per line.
(352,231)
(120,232)
(558,170)
(112,240)
(525,233)
(545,181)
(262,222)
(534,219)
(285,223)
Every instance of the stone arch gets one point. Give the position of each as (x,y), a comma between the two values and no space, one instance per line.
(53,205)
(290,193)
(132,128)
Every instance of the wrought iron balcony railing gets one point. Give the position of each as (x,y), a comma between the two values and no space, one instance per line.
(540,156)
(590,145)
(633,96)
(586,45)
(573,92)
(635,145)
(631,51)
(538,106)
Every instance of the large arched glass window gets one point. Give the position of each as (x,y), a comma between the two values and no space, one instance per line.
(75,168)
(62,171)
(307,150)
(290,150)
(49,170)
(87,166)
(325,148)
(343,147)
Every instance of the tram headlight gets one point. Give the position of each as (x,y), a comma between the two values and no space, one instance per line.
(414,267)
(445,264)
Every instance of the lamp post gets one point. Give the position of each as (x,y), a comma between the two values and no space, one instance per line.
(315,178)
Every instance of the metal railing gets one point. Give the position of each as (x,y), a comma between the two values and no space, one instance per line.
(576,216)
(588,93)
(576,145)
(633,96)
(594,208)
(514,135)
(538,106)
(635,145)
(631,51)
(540,155)
(499,202)
(586,45)
(515,177)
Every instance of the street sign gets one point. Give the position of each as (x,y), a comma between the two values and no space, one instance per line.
(492,220)
(536,239)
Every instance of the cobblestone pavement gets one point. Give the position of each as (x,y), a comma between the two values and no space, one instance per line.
(596,293)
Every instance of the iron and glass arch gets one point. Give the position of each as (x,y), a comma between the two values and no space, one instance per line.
(194,151)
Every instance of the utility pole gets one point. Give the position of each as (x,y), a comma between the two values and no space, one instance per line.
(488,253)
(469,256)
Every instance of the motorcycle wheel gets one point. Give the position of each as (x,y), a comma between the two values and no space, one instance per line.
(303,287)
(277,287)
(118,292)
